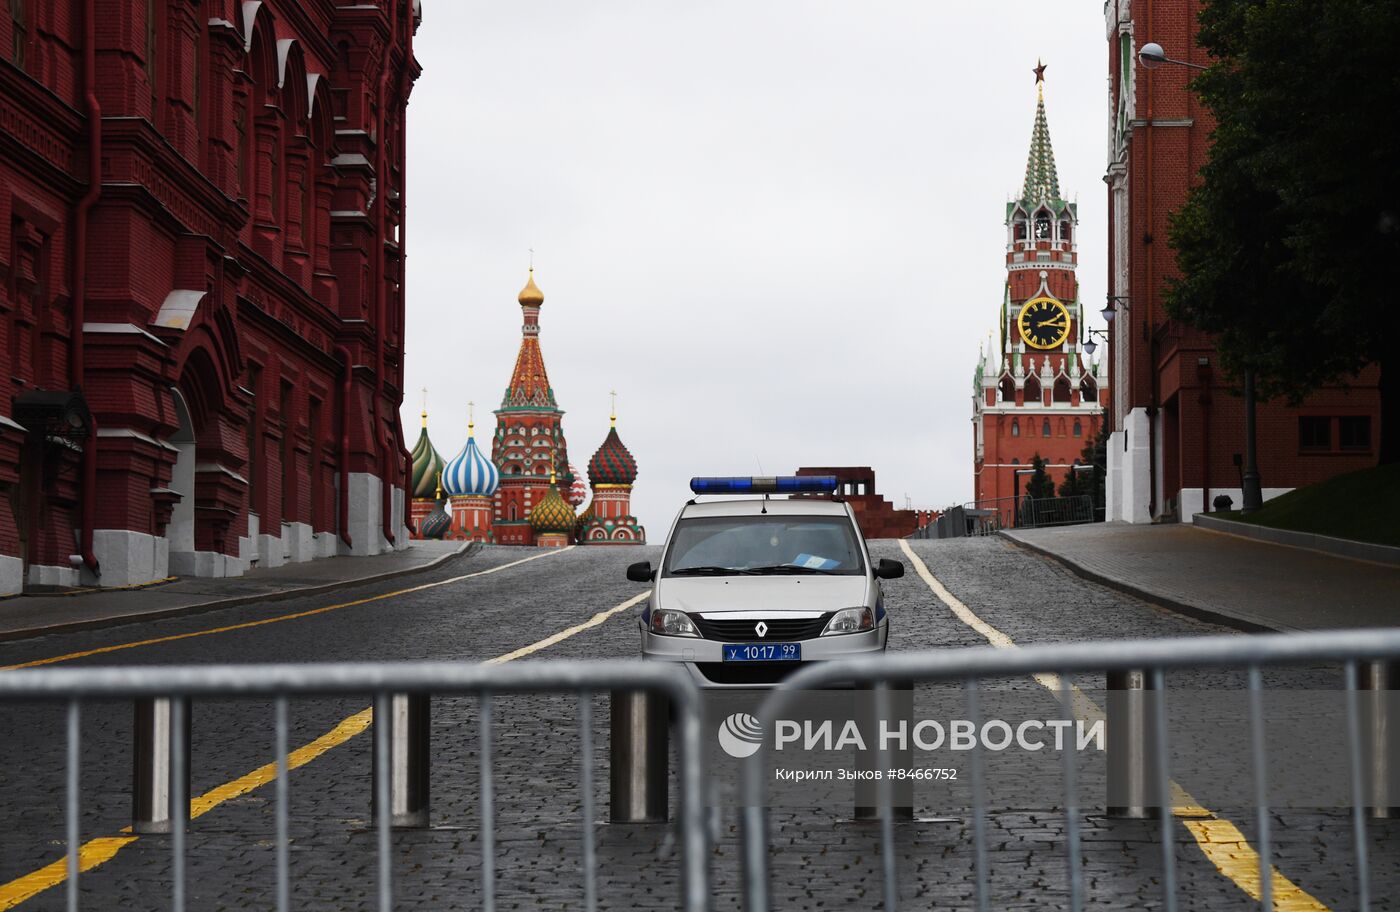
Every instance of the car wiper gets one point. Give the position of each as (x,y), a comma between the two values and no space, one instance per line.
(790,568)
(708,571)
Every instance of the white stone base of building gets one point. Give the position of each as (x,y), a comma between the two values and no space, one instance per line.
(206,564)
(48,575)
(270,552)
(297,542)
(11,575)
(366,517)
(324,544)
(1128,486)
(127,558)
(1191,502)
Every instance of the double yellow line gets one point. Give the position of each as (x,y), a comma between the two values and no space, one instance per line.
(1219,839)
(98,851)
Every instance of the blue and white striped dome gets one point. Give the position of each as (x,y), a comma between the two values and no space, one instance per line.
(470,474)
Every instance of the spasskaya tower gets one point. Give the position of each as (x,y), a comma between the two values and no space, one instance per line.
(1035,391)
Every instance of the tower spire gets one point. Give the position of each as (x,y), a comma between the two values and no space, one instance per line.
(612,416)
(529,383)
(1042,180)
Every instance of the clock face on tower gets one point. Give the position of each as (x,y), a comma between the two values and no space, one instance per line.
(1044,322)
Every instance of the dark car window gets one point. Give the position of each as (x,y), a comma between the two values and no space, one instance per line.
(725,545)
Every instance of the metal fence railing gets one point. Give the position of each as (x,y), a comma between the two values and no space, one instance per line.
(1359,653)
(1367,659)
(167,692)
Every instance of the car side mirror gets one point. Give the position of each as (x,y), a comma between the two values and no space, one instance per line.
(640,572)
(889,569)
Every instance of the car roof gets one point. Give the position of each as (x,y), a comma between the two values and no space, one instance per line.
(753,506)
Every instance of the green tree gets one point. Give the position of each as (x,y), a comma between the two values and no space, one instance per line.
(1040,484)
(1287,247)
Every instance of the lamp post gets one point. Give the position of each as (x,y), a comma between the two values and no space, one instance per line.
(1016,494)
(1152,56)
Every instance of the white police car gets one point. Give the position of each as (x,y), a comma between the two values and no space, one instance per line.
(749,589)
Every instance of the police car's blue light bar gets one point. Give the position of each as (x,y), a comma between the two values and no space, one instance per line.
(772,484)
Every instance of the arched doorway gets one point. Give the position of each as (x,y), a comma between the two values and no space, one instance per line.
(181,532)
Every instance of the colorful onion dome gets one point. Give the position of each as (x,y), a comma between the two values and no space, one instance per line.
(427,463)
(578,490)
(470,474)
(553,513)
(613,463)
(437,523)
(530,295)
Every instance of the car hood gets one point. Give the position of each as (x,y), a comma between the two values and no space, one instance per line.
(716,594)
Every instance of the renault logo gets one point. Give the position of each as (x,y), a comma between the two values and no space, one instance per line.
(761,629)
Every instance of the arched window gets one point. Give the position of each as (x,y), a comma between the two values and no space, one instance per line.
(1008,390)
(197,89)
(1015,427)
(1042,226)
(1062,390)
(155,27)
(512,513)
(1020,228)
(1064,230)
(1078,428)
(1045,428)
(19,28)
(1015,460)
(1032,391)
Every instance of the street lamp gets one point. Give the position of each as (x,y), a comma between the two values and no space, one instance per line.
(1111,308)
(1090,346)
(1016,495)
(1152,56)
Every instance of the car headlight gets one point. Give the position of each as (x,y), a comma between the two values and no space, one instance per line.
(669,622)
(850,620)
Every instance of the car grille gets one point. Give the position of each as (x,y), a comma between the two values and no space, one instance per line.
(747,672)
(780,630)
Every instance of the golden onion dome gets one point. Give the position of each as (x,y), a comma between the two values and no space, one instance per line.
(530,295)
(552,513)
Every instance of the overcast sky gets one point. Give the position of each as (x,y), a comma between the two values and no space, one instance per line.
(774,226)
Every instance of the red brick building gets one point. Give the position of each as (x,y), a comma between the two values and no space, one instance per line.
(201,251)
(1034,392)
(1178,428)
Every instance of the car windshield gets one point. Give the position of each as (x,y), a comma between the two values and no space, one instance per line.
(752,545)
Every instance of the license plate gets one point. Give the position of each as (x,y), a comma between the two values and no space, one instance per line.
(763,652)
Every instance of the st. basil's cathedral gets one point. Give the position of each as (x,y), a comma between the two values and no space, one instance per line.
(527,492)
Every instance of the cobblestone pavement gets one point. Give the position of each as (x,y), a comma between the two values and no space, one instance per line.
(820,859)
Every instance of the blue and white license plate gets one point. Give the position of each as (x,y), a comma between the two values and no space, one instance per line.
(763,652)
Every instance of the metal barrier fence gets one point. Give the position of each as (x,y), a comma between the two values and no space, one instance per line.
(399,690)
(1367,658)
(987,517)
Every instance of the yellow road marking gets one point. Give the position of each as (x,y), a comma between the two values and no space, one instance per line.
(98,851)
(1220,840)
(68,657)
(93,853)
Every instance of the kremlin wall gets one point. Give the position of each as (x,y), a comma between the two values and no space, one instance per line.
(527,492)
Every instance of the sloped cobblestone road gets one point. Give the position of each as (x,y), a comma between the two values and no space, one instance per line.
(820,859)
